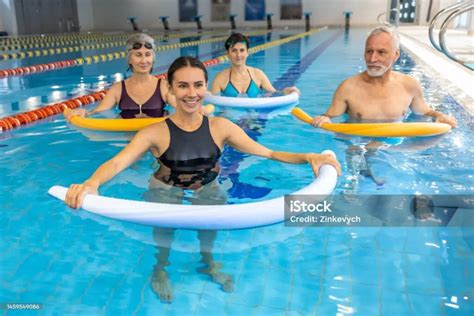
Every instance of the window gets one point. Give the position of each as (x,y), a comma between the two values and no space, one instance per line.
(290,9)
(254,10)
(187,10)
(220,10)
(407,11)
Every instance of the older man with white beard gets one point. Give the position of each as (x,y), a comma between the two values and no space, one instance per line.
(379,93)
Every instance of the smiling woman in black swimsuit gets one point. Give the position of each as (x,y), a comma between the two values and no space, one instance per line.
(188,146)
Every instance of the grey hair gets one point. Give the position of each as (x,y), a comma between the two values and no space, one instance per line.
(387,28)
(139,38)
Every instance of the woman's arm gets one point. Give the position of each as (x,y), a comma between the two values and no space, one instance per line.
(139,144)
(237,138)
(165,93)
(111,98)
(315,160)
(218,83)
(265,83)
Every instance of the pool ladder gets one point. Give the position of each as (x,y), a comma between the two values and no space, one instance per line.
(452,12)
(396,17)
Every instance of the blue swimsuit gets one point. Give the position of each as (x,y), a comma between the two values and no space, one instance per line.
(252,90)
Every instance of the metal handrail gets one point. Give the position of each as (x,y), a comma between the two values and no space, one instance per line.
(438,15)
(468,7)
(379,16)
(384,13)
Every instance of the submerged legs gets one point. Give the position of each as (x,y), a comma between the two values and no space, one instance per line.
(211,267)
(160,282)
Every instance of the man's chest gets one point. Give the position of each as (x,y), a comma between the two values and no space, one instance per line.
(379,103)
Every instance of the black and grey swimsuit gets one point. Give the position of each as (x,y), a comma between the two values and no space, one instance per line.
(191,159)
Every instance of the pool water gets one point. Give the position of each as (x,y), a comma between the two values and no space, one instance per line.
(74,262)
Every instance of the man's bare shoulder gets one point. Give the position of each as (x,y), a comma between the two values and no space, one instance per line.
(350,82)
(403,77)
(408,81)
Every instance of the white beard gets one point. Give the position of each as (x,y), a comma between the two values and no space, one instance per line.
(379,72)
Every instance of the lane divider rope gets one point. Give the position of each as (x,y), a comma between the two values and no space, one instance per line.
(18,46)
(88,37)
(82,47)
(48,37)
(29,70)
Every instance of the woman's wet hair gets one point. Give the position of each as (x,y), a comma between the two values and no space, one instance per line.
(236,38)
(185,61)
(136,41)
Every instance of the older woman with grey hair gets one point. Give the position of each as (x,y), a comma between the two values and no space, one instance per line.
(140,95)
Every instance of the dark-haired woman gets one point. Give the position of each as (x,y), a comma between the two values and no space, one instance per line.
(242,80)
(189,146)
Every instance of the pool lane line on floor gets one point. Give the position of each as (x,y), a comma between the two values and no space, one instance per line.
(24,118)
(292,75)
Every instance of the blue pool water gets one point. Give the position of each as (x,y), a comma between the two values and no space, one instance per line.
(72,262)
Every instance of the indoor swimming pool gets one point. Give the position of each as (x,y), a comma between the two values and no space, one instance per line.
(74,262)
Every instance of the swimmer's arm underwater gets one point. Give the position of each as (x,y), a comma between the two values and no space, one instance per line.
(238,139)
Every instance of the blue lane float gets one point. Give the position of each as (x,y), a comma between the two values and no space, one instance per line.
(266,103)
(213,217)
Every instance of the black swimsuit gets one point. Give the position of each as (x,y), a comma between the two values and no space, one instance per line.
(153,107)
(191,159)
